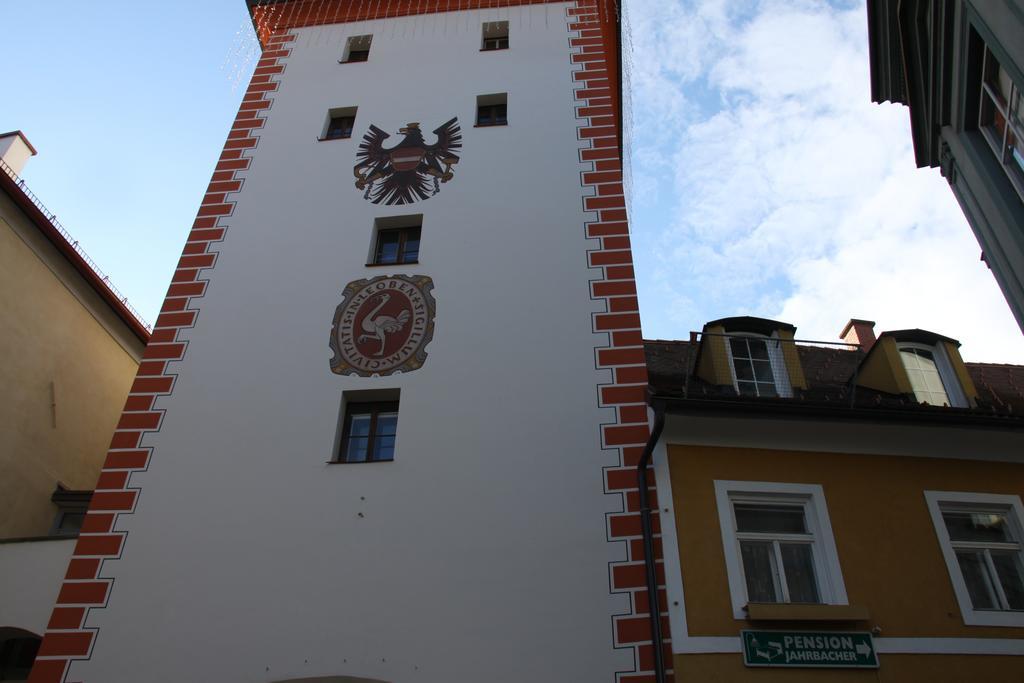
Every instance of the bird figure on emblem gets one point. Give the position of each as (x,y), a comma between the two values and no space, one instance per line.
(378,326)
(403,173)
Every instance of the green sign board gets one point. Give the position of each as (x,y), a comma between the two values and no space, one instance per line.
(831,649)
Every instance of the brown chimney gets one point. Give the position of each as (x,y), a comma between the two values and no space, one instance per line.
(860,332)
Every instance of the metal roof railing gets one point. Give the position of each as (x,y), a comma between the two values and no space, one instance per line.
(73,243)
(759,367)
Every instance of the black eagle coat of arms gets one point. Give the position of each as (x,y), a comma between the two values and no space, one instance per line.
(411,170)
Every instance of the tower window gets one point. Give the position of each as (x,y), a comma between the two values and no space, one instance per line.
(340,123)
(495,35)
(492,110)
(399,245)
(369,432)
(357,49)
(396,240)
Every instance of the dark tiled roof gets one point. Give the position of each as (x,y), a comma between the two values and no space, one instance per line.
(670,366)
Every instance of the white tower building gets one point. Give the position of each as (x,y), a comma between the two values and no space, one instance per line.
(387,425)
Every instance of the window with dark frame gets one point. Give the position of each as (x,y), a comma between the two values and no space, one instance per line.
(369,432)
(495,35)
(492,110)
(340,127)
(339,123)
(397,245)
(71,509)
(69,523)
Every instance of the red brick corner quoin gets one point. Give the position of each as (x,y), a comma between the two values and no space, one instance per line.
(592,37)
(67,636)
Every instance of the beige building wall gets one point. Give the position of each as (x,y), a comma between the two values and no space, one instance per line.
(69,361)
(891,560)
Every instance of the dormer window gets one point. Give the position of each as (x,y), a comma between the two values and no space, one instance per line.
(758,368)
(751,357)
(931,375)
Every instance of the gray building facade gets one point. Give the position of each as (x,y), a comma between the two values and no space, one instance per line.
(959,67)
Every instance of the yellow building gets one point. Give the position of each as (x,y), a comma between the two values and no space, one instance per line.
(837,511)
(71,347)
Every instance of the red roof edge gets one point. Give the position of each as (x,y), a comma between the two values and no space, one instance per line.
(51,232)
(23,139)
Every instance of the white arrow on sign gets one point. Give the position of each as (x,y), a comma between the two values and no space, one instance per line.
(863,650)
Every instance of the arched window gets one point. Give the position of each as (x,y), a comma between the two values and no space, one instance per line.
(17,652)
(930,375)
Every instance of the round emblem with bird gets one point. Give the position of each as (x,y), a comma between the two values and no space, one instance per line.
(383,325)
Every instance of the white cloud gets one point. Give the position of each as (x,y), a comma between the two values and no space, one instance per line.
(771,185)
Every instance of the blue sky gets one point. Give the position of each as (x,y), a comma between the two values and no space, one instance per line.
(129,105)
(764,182)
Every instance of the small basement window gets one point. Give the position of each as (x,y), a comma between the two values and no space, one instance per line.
(71,509)
(495,35)
(396,240)
(369,426)
(340,122)
(357,49)
(492,110)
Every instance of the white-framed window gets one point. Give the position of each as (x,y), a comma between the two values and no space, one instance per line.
(931,375)
(1001,119)
(981,537)
(757,364)
(778,544)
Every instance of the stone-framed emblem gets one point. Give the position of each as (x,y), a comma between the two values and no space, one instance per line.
(383,325)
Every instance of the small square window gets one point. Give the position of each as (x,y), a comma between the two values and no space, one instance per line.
(778,544)
(71,510)
(492,110)
(357,49)
(396,240)
(399,245)
(340,123)
(982,541)
(495,35)
(369,432)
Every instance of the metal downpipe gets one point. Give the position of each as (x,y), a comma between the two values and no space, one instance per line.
(648,535)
